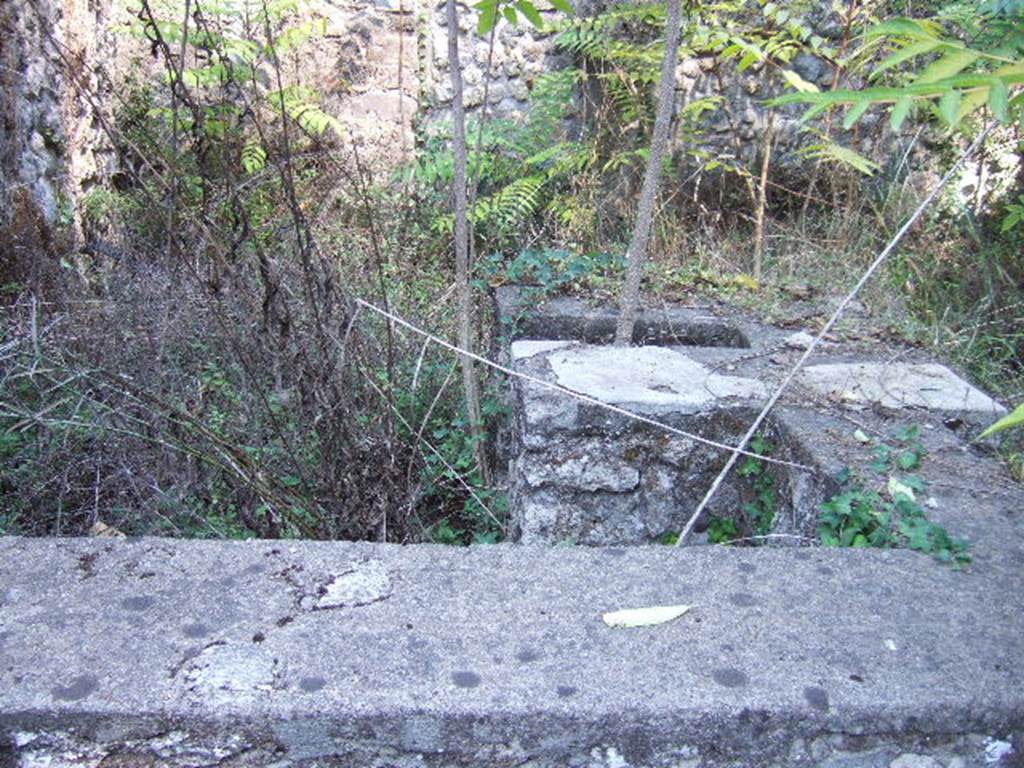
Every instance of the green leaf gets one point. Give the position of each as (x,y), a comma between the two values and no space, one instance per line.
(915,29)
(842,155)
(488,10)
(947,66)
(909,459)
(811,113)
(798,82)
(254,157)
(750,58)
(564,6)
(914,482)
(904,54)
(510,14)
(949,107)
(855,113)
(911,432)
(998,99)
(531,13)
(1014,419)
(899,113)
(971,103)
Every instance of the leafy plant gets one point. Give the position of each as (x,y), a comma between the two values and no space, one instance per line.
(721,530)
(549,269)
(1012,420)
(905,457)
(756,516)
(860,517)
(953,79)
(492,10)
(760,512)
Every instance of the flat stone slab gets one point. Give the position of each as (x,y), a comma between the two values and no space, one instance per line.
(193,653)
(645,376)
(899,385)
(528,348)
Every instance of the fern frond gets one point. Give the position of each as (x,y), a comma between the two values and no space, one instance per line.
(254,156)
(511,204)
(300,104)
(836,153)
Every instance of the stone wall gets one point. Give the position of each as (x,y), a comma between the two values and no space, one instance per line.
(521,54)
(53,58)
(381,68)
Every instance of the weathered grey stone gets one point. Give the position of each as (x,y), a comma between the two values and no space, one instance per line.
(544,412)
(552,517)
(799,340)
(915,761)
(363,583)
(528,348)
(232,672)
(900,385)
(812,69)
(591,470)
(646,376)
(998,750)
(496,656)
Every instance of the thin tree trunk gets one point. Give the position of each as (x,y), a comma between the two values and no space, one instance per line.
(762,199)
(470,389)
(636,255)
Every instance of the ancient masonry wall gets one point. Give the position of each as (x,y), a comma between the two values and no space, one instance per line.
(381,69)
(51,146)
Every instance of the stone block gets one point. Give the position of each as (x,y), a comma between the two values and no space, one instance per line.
(900,385)
(587,469)
(655,376)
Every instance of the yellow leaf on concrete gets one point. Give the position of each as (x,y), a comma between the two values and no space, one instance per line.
(644,617)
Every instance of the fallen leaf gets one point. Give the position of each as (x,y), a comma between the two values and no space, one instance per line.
(102,530)
(644,617)
(860,437)
(896,487)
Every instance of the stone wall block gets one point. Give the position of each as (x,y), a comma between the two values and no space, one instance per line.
(589,467)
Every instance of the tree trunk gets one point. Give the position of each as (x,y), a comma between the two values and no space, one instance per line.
(470,389)
(636,255)
(762,199)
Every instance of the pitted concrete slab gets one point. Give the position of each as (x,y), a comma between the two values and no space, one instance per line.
(900,385)
(646,376)
(497,656)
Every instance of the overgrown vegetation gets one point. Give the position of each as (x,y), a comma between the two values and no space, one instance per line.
(190,360)
(860,517)
(754,519)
